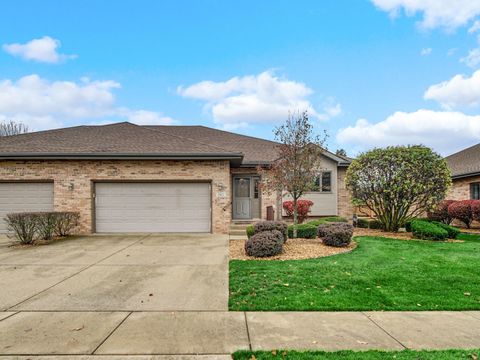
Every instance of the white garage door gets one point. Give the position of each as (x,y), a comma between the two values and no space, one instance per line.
(152,207)
(20,197)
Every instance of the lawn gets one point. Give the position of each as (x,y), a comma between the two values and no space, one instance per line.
(353,355)
(380,274)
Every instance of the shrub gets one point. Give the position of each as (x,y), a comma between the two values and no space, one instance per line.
(46,223)
(440,212)
(23,225)
(362,223)
(262,226)
(375,224)
(334,219)
(303,206)
(336,234)
(452,231)
(266,243)
(305,231)
(250,231)
(66,222)
(462,211)
(476,210)
(428,231)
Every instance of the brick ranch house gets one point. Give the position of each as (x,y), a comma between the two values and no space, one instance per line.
(128,178)
(465,167)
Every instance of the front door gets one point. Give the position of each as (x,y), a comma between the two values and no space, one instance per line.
(241,197)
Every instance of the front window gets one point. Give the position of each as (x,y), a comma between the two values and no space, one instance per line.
(323,183)
(475,191)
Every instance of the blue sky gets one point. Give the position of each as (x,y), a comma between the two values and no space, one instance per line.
(370,72)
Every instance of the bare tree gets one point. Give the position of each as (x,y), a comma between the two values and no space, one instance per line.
(9,128)
(299,161)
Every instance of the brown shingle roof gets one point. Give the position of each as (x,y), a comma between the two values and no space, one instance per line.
(465,162)
(120,138)
(128,140)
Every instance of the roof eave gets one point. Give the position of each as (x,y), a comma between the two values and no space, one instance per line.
(465,175)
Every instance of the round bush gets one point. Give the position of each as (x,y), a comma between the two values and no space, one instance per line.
(264,244)
(336,234)
(428,231)
(262,226)
(440,212)
(462,211)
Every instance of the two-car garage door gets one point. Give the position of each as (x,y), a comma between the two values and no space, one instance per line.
(20,197)
(152,207)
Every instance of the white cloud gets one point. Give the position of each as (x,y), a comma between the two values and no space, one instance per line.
(426,51)
(444,131)
(475,27)
(472,59)
(40,50)
(262,98)
(457,92)
(43,104)
(449,14)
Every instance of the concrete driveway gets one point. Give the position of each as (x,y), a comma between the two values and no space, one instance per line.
(145,272)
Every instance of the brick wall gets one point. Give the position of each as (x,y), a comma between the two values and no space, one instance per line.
(460,189)
(73,181)
(345,207)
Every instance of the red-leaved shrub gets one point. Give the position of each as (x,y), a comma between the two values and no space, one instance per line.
(476,210)
(440,212)
(304,207)
(462,211)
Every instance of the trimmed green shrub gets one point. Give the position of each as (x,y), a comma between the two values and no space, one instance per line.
(334,219)
(336,234)
(453,232)
(23,225)
(262,226)
(428,231)
(265,243)
(304,231)
(362,223)
(375,224)
(250,231)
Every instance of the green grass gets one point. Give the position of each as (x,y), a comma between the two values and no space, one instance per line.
(358,355)
(380,274)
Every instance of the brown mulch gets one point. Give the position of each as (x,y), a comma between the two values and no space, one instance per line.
(392,235)
(294,249)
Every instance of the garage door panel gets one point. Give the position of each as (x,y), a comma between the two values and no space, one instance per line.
(22,197)
(153,207)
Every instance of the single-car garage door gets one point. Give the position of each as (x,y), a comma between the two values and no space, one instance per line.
(152,207)
(20,197)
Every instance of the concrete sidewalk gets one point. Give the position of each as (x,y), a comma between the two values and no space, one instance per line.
(219,333)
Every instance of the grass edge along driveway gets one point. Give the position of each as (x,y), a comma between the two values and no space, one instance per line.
(380,274)
(358,355)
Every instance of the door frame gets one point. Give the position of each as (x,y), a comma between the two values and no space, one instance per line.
(252,178)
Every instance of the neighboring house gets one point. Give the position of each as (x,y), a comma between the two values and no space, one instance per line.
(128,178)
(465,167)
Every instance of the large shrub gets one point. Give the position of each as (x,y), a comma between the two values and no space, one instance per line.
(28,226)
(476,210)
(452,231)
(262,226)
(440,212)
(304,231)
(461,211)
(304,208)
(336,234)
(23,225)
(263,244)
(398,183)
(428,231)
(66,222)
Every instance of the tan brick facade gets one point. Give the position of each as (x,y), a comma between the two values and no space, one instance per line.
(460,189)
(74,181)
(345,207)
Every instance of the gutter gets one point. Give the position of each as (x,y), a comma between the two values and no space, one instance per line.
(461,176)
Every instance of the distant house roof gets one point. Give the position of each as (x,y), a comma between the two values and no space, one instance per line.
(465,163)
(125,140)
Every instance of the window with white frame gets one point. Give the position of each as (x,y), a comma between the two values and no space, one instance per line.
(323,182)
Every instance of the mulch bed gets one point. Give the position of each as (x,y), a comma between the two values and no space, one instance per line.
(294,249)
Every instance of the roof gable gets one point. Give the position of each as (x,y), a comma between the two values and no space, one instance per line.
(465,162)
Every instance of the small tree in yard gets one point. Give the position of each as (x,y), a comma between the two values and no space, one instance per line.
(398,183)
(298,163)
